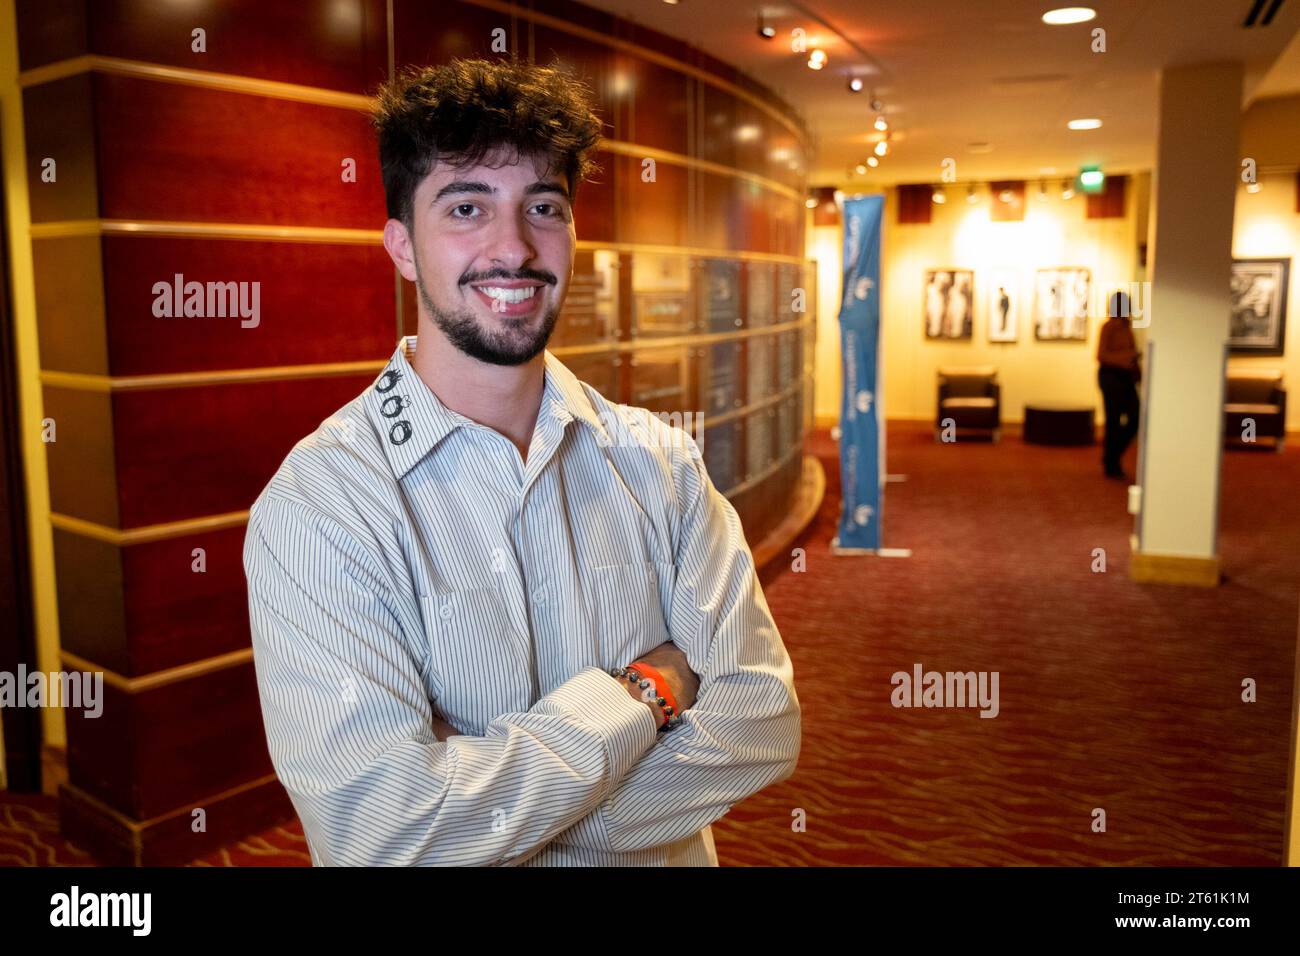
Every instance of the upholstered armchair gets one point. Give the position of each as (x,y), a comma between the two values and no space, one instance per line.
(1259,395)
(972,398)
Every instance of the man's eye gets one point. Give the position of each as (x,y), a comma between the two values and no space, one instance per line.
(555,209)
(464,205)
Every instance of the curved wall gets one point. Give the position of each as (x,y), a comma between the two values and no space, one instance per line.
(225,165)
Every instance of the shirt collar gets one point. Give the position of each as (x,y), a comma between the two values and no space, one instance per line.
(412,421)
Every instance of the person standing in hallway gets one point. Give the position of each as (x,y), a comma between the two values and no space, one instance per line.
(1118,375)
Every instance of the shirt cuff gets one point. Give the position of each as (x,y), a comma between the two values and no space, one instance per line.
(626,726)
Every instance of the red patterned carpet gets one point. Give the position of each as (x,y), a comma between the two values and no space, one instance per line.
(1113,695)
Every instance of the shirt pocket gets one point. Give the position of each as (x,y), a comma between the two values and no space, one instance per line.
(628,603)
(478,670)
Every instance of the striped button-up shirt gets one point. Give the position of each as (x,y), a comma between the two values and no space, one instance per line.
(407,562)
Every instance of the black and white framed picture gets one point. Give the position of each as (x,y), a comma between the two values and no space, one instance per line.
(1061,304)
(949,303)
(1258,325)
(1004,304)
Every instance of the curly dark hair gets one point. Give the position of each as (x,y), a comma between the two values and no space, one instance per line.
(460,111)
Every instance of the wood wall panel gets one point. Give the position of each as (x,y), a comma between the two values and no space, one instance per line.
(92,600)
(146,150)
(593,64)
(176,615)
(158,750)
(429,33)
(336,44)
(59,124)
(184,153)
(82,461)
(319,302)
(654,213)
(186,452)
(70,322)
(660,108)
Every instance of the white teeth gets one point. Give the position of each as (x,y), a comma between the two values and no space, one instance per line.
(509,295)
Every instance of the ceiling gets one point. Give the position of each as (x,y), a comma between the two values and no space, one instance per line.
(955,74)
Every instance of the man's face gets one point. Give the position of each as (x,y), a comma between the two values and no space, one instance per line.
(492,254)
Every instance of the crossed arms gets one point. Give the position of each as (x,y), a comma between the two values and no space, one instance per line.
(350,725)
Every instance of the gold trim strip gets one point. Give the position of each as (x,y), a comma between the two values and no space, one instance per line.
(136,685)
(769,471)
(136,827)
(644,343)
(224,230)
(147,533)
(622,148)
(80,381)
(87,382)
(653,56)
(227,82)
(776,398)
(67,228)
(233,83)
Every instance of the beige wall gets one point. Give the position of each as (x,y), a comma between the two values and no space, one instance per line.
(1054,232)
(1267,225)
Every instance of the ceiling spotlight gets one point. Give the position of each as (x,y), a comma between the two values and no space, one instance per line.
(1090,123)
(855,84)
(970,195)
(1006,196)
(861,169)
(1063,16)
(881,123)
(672,3)
(937,196)
(876,105)
(1042,192)
(1253,187)
(817,59)
(1068,191)
(882,148)
(765,29)
(872,161)
(811,202)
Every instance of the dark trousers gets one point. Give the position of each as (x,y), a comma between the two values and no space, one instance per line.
(1120,396)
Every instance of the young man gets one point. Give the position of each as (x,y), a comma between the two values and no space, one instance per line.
(445,576)
(1118,374)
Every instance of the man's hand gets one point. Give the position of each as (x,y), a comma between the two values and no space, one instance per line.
(682,681)
(442,730)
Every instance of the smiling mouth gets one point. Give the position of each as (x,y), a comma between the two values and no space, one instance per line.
(511,299)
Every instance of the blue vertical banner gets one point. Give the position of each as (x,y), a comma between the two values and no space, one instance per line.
(861,423)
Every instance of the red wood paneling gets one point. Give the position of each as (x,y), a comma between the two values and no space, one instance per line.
(336,44)
(209,450)
(189,154)
(317,303)
(425,34)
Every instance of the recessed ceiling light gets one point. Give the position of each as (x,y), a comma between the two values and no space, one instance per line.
(860,169)
(1091,123)
(882,148)
(855,84)
(882,124)
(872,161)
(1253,188)
(937,197)
(1067,15)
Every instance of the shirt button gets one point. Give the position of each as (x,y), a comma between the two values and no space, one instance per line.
(540,594)
(445,612)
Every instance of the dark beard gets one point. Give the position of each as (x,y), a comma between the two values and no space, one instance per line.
(463,331)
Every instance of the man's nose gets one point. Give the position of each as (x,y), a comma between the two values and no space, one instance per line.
(510,245)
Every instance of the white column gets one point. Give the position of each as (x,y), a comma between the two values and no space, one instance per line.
(1195,187)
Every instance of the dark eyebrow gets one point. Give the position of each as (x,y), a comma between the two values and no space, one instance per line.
(463,186)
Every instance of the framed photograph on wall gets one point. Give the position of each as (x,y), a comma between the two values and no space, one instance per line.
(949,301)
(1004,305)
(1061,299)
(1258,325)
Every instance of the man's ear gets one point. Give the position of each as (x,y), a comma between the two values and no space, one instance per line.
(401,248)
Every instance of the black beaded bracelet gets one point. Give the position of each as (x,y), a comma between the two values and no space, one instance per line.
(623,673)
